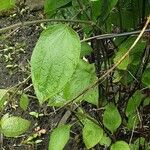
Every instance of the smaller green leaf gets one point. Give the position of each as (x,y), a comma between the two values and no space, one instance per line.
(124,64)
(133,120)
(96,5)
(51,6)
(59,137)
(134,54)
(111,118)
(140,143)
(133,103)
(146,101)
(92,134)
(3,92)
(92,96)
(86,49)
(105,141)
(146,77)
(14,126)
(120,145)
(81,79)
(24,102)
(101,9)
(117,77)
(6,4)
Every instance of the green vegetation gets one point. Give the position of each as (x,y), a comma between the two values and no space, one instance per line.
(103,83)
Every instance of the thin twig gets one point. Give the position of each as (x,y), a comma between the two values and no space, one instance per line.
(27,23)
(132,131)
(113,35)
(21,83)
(103,36)
(12,32)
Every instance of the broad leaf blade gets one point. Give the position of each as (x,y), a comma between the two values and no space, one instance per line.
(54,60)
(120,145)
(81,79)
(14,126)
(111,118)
(92,134)
(59,137)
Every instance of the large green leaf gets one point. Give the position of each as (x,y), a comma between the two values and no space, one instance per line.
(14,126)
(6,4)
(133,103)
(120,145)
(59,137)
(54,60)
(2,97)
(82,78)
(111,118)
(51,5)
(92,134)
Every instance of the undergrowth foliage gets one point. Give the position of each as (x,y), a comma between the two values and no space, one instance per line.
(68,62)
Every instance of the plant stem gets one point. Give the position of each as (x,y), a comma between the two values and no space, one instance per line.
(43,20)
(113,35)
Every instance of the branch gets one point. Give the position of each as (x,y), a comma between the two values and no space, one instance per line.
(44,20)
(113,35)
(105,75)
